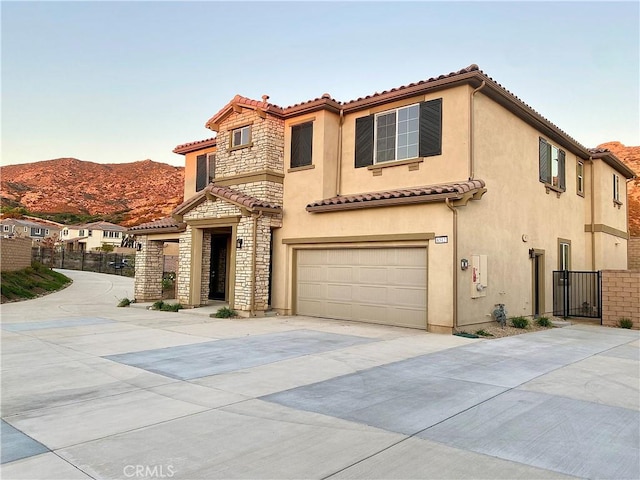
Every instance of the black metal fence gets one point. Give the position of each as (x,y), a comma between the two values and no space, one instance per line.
(577,294)
(113,263)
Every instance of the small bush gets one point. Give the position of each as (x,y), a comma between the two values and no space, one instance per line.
(171,307)
(519,322)
(625,323)
(125,302)
(225,312)
(543,322)
(157,305)
(484,333)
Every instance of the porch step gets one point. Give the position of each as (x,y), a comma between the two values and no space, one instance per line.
(561,323)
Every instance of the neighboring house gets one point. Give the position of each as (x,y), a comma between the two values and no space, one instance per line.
(91,236)
(422,206)
(37,231)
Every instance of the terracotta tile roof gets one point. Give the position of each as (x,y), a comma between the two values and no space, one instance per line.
(241,199)
(225,193)
(400,196)
(167,223)
(244,101)
(610,158)
(197,145)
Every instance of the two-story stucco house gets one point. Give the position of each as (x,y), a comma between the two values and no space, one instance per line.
(91,236)
(23,227)
(422,206)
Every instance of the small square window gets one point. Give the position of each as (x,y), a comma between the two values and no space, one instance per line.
(241,136)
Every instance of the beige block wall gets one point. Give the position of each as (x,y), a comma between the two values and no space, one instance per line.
(15,254)
(620,297)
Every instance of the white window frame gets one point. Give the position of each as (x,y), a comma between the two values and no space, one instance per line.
(580,178)
(616,188)
(81,233)
(110,234)
(46,231)
(564,260)
(396,154)
(244,136)
(37,231)
(5,228)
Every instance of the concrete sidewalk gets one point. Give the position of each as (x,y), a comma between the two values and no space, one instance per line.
(90,390)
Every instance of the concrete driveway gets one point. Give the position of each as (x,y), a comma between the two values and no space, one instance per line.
(90,390)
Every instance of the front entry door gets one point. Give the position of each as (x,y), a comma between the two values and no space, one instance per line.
(538,283)
(218,272)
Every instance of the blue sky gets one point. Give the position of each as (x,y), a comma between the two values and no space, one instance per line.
(115,82)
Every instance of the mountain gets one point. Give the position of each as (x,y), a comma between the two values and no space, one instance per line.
(144,190)
(631,157)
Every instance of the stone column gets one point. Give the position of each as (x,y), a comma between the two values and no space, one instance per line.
(184,268)
(149,269)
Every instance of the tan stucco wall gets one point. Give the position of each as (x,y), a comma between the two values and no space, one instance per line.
(507,160)
(190,165)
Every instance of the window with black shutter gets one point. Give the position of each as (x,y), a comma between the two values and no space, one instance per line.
(201,172)
(301,144)
(551,161)
(402,133)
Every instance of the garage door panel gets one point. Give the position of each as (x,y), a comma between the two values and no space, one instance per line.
(340,274)
(339,292)
(375,275)
(312,273)
(378,285)
(371,294)
(414,277)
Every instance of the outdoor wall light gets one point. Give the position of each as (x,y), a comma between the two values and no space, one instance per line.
(239,243)
(464,264)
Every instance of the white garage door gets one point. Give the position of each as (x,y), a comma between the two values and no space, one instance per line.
(377,285)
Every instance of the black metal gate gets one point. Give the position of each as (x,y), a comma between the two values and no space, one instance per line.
(577,294)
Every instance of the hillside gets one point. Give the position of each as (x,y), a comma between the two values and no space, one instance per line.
(145,190)
(631,157)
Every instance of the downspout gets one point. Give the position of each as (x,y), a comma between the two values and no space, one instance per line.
(254,251)
(593,222)
(455,263)
(339,159)
(471,132)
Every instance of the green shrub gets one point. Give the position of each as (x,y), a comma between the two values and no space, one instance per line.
(484,333)
(225,312)
(519,322)
(171,307)
(625,323)
(543,322)
(125,302)
(157,305)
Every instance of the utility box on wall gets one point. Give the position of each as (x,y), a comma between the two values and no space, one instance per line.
(479,276)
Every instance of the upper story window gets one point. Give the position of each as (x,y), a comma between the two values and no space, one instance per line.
(301,144)
(5,228)
(46,231)
(65,232)
(403,133)
(241,136)
(616,188)
(37,231)
(81,233)
(205,170)
(552,160)
(580,178)
(90,233)
(110,234)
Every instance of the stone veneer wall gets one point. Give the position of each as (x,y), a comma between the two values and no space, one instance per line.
(15,254)
(620,297)
(183,277)
(633,253)
(206,268)
(266,152)
(149,269)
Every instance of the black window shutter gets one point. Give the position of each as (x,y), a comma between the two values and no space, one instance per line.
(301,144)
(545,163)
(201,172)
(431,128)
(561,174)
(364,141)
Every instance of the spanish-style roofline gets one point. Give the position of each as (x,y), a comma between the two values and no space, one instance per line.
(164,225)
(610,159)
(194,146)
(471,75)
